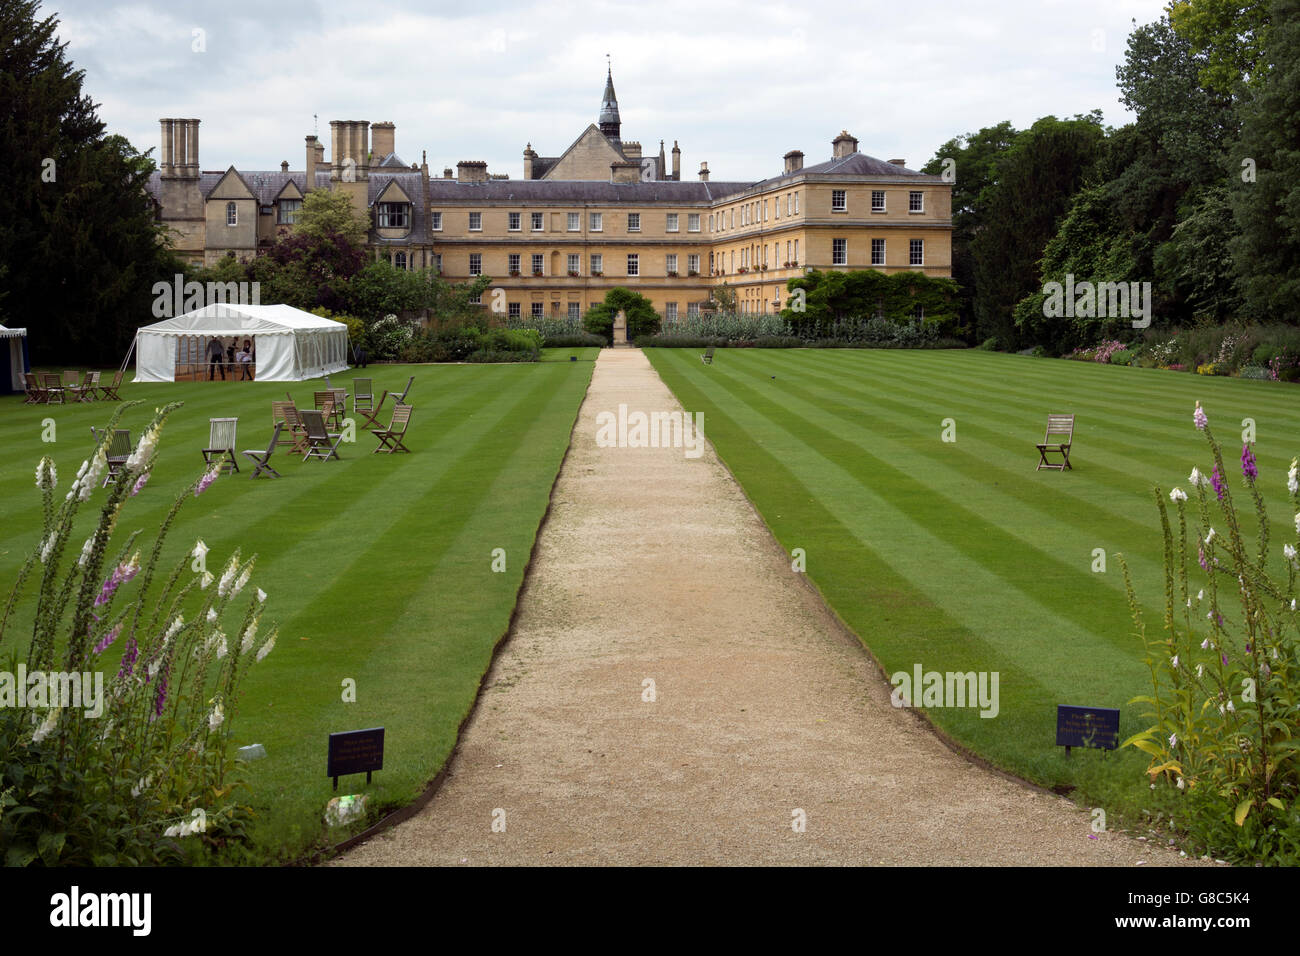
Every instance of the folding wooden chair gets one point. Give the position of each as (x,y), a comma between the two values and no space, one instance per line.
(85,392)
(1060,427)
(390,438)
(221,445)
(34,392)
(328,402)
(707,357)
(69,378)
(53,387)
(363,400)
(321,443)
(400,400)
(262,459)
(110,391)
(119,450)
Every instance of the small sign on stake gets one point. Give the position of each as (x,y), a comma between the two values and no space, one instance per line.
(1087,727)
(355,751)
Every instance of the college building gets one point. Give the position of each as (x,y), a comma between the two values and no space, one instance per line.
(600,214)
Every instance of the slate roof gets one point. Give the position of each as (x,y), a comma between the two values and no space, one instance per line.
(854,164)
(578,191)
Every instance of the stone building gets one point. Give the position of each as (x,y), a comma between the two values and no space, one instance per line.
(599,215)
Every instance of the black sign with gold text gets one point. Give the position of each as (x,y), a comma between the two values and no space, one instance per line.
(355,751)
(1087,727)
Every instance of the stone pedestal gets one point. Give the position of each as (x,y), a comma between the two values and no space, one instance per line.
(620,330)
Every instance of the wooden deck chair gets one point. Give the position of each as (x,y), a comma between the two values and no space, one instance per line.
(707,357)
(297,430)
(278,416)
(390,438)
(321,443)
(262,459)
(85,392)
(119,450)
(221,445)
(328,402)
(34,392)
(363,401)
(53,387)
(69,378)
(1060,428)
(399,400)
(109,392)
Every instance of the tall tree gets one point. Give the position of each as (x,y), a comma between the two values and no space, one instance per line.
(78,237)
(1230,33)
(1267,209)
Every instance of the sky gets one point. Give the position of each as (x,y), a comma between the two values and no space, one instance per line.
(736,84)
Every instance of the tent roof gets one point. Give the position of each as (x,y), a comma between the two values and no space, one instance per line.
(12,333)
(234,319)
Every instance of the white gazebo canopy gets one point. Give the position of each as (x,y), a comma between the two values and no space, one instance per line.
(290,344)
(13,359)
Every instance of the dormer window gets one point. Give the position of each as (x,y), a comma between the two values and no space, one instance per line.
(232,214)
(394,215)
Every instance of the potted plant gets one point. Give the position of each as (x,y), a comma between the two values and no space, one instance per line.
(672,275)
(573,273)
(537,273)
(597,273)
(514,272)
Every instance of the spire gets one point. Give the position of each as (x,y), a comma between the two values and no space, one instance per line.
(609,121)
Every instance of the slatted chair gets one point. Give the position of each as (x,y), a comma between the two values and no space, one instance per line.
(363,400)
(707,357)
(85,392)
(390,438)
(321,442)
(34,392)
(69,378)
(109,392)
(297,430)
(278,416)
(220,452)
(399,400)
(53,387)
(119,450)
(1057,441)
(328,402)
(262,459)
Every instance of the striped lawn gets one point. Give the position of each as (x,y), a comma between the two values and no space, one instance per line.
(378,567)
(960,556)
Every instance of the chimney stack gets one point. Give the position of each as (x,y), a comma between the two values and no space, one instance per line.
(704,172)
(471,171)
(625,171)
(165,149)
(529,156)
(844,145)
(309,180)
(899,162)
(179,157)
(446,172)
(677,162)
(284,166)
(385,140)
(793,161)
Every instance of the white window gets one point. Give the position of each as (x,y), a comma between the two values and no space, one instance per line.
(575,221)
(288,212)
(916,201)
(787,204)
(839,200)
(765,210)
(537,264)
(514,263)
(514,224)
(597,265)
(916,252)
(877,200)
(476,222)
(692,222)
(670,263)
(877,252)
(435,221)
(575,311)
(575,262)
(692,308)
(394,215)
(475,263)
(594,222)
(671,225)
(764,253)
(795,260)
(839,252)
(537,219)
(710,222)
(232,214)
(512,310)
(539,309)
(787,252)
(670,311)
(634,222)
(731,219)
(693,264)
(633,264)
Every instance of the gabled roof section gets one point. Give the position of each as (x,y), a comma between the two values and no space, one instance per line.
(228,185)
(590,138)
(854,164)
(289,190)
(393,192)
(392,160)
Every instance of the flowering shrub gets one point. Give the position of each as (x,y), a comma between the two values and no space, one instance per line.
(123,778)
(1225,673)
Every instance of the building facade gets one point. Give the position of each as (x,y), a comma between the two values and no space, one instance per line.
(599,215)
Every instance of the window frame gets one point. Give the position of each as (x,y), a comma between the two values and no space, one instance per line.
(839,251)
(634,265)
(537,222)
(435,221)
(880,244)
(232,213)
(596,222)
(475,217)
(514,222)
(917,197)
(693,218)
(384,215)
(916,252)
(476,269)
(634,222)
(672,222)
(573,222)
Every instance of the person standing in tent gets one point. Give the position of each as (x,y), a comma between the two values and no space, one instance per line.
(216,355)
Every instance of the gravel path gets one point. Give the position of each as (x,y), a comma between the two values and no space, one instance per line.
(654,567)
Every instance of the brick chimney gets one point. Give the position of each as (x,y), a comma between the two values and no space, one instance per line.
(704,172)
(844,145)
(677,161)
(471,171)
(899,162)
(793,161)
(625,171)
(384,138)
(530,154)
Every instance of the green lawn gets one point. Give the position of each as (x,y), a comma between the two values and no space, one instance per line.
(960,556)
(377,567)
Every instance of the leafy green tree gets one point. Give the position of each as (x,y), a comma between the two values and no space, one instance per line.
(1195,267)
(834,297)
(1231,33)
(642,319)
(1035,180)
(327,213)
(78,241)
(1267,211)
(724,297)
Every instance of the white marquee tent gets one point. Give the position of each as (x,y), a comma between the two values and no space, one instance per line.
(13,359)
(290,345)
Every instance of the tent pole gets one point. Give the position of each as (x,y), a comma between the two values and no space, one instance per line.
(129,352)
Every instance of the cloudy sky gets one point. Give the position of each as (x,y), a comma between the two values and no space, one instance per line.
(737,84)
